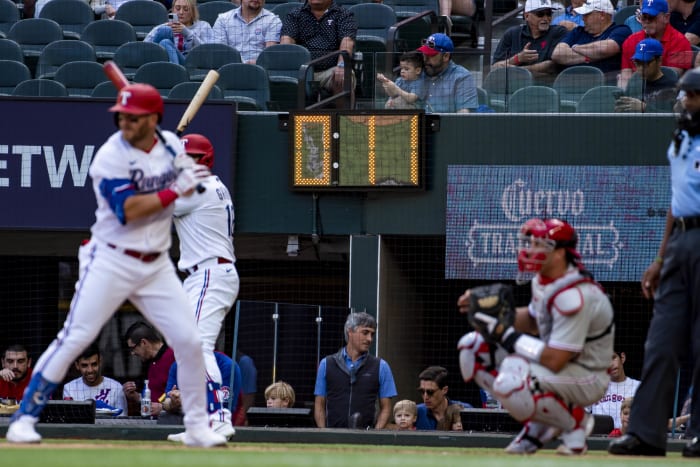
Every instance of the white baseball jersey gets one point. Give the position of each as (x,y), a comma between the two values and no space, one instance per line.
(125,169)
(612,400)
(108,391)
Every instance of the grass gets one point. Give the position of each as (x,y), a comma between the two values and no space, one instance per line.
(73,453)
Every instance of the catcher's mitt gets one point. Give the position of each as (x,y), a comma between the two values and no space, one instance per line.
(491,310)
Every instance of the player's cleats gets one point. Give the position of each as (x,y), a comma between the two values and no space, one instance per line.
(22,430)
(531,438)
(203,439)
(574,441)
(177,437)
(223,428)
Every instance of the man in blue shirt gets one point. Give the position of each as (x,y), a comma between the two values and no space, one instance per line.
(349,382)
(433,389)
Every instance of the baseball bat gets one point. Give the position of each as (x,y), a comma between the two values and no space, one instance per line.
(197,101)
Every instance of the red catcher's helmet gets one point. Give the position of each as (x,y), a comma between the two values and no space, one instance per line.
(201,146)
(539,237)
(139,99)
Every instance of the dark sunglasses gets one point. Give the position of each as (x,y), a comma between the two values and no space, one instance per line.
(543,13)
(429,43)
(429,392)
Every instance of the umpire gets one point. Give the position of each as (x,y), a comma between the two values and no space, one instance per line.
(674,278)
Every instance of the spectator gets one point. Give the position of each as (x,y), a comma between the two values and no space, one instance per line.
(409,89)
(676,48)
(405,415)
(597,44)
(145,342)
(672,336)
(449,87)
(433,389)
(453,419)
(106,392)
(570,19)
(456,7)
(544,381)
(323,27)
(531,45)
(685,18)
(279,395)
(16,372)
(349,382)
(249,377)
(625,409)
(620,388)
(249,29)
(658,90)
(183,33)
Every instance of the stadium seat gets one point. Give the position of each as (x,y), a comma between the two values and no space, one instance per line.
(501,83)
(600,99)
(132,55)
(80,78)
(40,88)
(187,90)
(534,99)
(282,63)
(245,80)
(161,75)
(623,13)
(57,53)
(71,15)
(205,57)
(573,82)
(9,15)
(10,50)
(143,15)
(107,35)
(11,74)
(105,89)
(211,10)
(32,35)
(282,9)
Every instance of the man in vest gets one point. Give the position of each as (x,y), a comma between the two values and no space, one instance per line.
(349,382)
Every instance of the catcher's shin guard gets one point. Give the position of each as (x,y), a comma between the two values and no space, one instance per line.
(478,359)
(512,388)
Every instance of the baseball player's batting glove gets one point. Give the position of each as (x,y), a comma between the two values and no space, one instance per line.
(183,161)
(492,311)
(188,179)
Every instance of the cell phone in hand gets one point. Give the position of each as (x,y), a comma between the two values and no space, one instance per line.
(172,18)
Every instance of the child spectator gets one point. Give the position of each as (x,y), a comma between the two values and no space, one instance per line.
(408,90)
(405,415)
(279,395)
(624,418)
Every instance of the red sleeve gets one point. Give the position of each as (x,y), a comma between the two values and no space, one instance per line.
(627,52)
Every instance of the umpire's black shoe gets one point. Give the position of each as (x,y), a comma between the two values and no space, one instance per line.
(630,445)
(692,449)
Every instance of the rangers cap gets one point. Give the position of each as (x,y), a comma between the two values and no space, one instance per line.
(138,99)
(199,145)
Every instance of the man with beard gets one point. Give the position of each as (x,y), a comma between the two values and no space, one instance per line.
(16,372)
(531,45)
(249,29)
(106,392)
(449,87)
(655,25)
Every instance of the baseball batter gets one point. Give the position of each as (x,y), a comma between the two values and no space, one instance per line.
(136,184)
(546,381)
(204,225)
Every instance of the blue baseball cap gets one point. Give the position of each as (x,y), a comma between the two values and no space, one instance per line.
(436,44)
(647,50)
(654,7)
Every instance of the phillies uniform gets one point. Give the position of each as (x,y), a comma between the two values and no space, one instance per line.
(611,402)
(108,391)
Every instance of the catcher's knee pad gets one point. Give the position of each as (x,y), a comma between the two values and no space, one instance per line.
(474,355)
(512,388)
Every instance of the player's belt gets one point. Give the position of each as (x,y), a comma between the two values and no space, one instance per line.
(145,257)
(686,223)
(208,262)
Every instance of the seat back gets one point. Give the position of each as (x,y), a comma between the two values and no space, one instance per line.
(187,90)
(11,74)
(205,57)
(132,55)
(80,78)
(106,35)
(161,75)
(57,53)
(10,50)
(143,15)
(407,8)
(32,34)
(9,15)
(247,80)
(40,88)
(623,13)
(573,82)
(105,89)
(284,59)
(373,19)
(534,99)
(600,99)
(211,10)
(72,15)
(282,9)
(502,82)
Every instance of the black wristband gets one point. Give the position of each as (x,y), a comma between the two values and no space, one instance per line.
(509,342)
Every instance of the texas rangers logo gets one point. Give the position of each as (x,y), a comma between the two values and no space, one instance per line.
(124,97)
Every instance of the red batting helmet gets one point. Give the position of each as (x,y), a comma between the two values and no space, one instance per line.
(539,237)
(201,146)
(139,99)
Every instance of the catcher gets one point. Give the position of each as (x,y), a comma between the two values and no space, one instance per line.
(547,361)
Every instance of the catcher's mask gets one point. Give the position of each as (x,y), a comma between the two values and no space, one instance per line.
(538,238)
